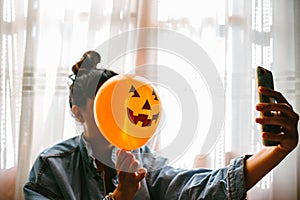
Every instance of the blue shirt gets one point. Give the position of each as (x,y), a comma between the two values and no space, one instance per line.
(66,171)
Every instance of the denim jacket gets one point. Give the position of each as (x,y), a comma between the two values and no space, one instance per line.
(66,171)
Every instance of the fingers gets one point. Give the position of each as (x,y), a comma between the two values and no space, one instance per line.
(129,173)
(141,173)
(129,183)
(126,162)
(279,114)
(281,108)
(284,116)
(284,113)
(279,121)
(273,137)
(275,94)
(121,156)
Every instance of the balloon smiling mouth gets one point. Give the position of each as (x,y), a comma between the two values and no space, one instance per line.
(142,118)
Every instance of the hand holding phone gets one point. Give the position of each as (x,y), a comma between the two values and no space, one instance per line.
(264,78)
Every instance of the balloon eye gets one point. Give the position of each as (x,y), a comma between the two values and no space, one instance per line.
(135,93)
(155,96)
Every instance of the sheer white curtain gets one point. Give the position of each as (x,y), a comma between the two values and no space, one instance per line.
(238,36)
(40,40)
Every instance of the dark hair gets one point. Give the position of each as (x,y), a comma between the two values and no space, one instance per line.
(87,79)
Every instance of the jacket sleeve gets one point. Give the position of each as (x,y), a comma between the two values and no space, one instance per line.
(166,182)
(30,193)
(33,189)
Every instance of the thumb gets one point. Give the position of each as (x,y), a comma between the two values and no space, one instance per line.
(141,174)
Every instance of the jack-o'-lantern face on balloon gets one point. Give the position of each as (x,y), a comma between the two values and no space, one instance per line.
(143,106)
(127,111)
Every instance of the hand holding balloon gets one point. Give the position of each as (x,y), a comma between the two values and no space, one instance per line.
(127,111)
(129,175)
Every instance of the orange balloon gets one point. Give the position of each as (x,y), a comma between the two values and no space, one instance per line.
(127,111)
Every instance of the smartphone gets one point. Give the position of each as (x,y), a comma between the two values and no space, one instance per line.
(264,78)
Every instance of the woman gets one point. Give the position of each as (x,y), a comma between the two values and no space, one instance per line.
(75,168)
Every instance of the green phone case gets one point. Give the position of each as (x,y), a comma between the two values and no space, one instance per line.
(265,79)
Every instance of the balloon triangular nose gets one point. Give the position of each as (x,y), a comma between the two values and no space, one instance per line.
(146,106)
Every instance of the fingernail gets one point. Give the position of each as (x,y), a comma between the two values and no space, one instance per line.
(264,135)
(258,120)
(259,107)
(142,170)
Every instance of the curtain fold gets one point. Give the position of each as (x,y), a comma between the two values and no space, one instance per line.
(43,90)
(55,39)
(238,36)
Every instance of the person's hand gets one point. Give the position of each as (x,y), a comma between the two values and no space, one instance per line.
(129,175)
(285,117)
